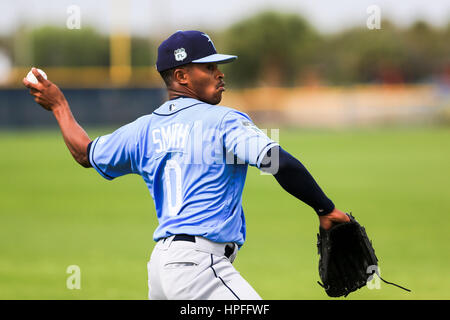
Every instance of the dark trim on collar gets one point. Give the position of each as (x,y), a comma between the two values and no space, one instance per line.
(165,115)
(178,97)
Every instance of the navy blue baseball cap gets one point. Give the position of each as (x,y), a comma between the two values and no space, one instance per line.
(185,47)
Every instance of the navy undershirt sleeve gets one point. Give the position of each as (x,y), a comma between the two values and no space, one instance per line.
(295,179)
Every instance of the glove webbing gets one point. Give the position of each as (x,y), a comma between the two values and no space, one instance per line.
(387,282)
(391,283)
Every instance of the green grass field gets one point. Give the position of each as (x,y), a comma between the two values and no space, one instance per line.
(396,181)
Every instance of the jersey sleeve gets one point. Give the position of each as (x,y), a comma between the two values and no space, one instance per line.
(116,154)
(244,139)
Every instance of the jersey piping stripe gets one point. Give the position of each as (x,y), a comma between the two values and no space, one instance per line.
(89,153)
(165,115)
(96,166)
(266,149)
(215,274)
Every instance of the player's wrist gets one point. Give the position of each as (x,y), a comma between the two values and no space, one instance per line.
(326,207)
(60,108)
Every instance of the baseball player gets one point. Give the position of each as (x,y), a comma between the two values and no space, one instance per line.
(193,155)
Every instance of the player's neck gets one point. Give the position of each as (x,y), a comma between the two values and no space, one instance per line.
(174,94)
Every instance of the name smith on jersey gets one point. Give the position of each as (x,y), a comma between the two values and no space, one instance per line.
(172,137)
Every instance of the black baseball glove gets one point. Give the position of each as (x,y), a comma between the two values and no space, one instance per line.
(347,258)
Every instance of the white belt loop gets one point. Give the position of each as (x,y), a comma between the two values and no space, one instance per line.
(164,243)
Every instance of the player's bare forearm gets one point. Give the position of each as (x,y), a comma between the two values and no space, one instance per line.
(50,97)
(75,137)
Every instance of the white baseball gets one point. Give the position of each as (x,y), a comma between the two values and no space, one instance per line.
(31,78)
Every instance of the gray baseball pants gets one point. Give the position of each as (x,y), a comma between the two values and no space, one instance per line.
(200,270)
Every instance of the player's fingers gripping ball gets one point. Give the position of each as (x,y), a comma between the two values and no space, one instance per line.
(45,93)
(32,78)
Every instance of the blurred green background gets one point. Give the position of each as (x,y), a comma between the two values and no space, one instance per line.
(367,111)
(275,48)
(394,180)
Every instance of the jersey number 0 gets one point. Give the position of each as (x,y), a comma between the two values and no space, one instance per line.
(172,175)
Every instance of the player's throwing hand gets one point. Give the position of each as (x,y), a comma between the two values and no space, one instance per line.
(45,92)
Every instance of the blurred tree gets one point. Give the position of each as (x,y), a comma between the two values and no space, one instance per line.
(382,55)
(363,55)
(283,49)
(6,45)
(52,46)
(21,51)
(272,48)
(143,52)
(428,50)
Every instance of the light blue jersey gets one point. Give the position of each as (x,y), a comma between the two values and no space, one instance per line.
(193,157)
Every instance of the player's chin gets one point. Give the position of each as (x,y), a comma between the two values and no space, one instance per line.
(215,98)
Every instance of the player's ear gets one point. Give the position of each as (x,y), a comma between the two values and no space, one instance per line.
(180,75)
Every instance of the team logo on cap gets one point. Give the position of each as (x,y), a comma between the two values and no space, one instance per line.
(180,54)
(209,40)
